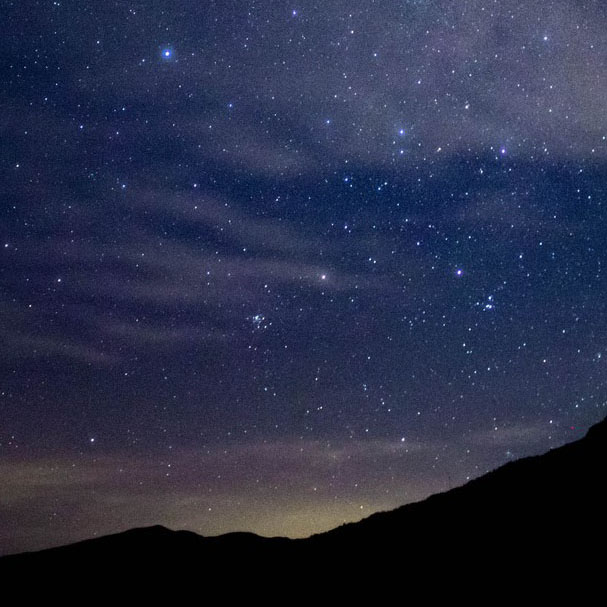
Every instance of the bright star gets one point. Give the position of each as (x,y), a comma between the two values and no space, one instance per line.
(167,53)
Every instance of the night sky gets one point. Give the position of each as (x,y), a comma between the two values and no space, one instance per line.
(274,266)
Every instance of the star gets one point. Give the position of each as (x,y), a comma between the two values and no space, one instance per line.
(167,53)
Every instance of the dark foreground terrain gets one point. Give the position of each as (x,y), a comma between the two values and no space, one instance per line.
(539,518)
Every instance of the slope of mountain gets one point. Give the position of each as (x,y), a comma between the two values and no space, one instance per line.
(547,498)
(539,515)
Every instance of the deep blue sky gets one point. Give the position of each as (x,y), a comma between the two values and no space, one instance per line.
(272,266)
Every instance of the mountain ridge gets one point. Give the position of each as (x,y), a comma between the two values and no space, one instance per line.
(542,508)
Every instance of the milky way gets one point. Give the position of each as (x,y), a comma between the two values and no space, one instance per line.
(274,266)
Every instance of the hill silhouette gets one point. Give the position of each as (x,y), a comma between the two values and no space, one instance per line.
(538,516)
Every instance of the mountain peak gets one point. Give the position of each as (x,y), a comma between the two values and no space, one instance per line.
(598,431)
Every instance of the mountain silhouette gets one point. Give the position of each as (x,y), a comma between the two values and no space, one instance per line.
(540,517)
